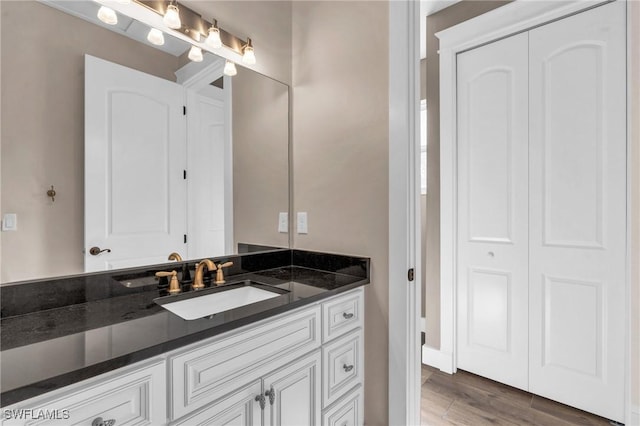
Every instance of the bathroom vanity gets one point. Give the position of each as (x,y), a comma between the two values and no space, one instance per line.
(118,357)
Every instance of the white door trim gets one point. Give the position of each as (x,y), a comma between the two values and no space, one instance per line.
(504,21)
(404,214)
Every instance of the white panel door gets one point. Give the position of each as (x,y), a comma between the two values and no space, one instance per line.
(206,165)
(578,210)
(493,211)
(135,194)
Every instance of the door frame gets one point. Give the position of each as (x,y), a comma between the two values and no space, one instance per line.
(404,214)
(193,77)
(504,21)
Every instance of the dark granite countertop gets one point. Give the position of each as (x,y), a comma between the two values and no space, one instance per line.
(43,350)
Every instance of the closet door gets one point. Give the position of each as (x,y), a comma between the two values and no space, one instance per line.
(578,210)
(492,211)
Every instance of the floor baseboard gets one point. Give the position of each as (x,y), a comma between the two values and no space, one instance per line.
(434,358)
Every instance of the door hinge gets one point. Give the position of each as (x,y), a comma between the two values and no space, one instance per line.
(184,110)
(411,275)
(184,174)
(185,238)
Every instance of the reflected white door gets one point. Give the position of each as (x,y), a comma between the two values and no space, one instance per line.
(493,211)
(135,193)
(578,210)
(207,186)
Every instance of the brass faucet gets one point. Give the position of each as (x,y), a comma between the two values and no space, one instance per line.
(174,285)
(197,281)
(175,256)
(220,275)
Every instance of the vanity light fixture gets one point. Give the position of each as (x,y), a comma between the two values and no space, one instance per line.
(213,39)
(172,17)
(107,15)
(248,55)
(195,54)
(230,69)
(156,37)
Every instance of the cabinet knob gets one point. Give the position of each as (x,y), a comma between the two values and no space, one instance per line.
(491,254)
(347,368)
(271,393)
(98,421)
(347,315)
(261,400)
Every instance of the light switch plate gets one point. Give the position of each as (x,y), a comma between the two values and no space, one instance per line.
(302,223)
(10,222)
(283,222)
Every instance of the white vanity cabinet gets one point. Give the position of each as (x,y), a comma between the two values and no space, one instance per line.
(303,367)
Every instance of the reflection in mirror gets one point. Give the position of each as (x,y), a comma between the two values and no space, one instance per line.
(233,144)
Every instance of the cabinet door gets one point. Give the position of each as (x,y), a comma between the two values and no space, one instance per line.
(493,210)
(578,210)
(238,408)
(293,393)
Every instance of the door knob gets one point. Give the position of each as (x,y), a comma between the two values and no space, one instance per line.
(94,251)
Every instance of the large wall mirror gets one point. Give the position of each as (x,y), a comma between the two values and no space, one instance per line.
(99,114)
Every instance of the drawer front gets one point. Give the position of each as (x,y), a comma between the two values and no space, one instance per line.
(133,397)
(343,366)
(348,412)
(343,314)
(208,371)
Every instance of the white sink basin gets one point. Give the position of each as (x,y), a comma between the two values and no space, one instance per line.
(212,303)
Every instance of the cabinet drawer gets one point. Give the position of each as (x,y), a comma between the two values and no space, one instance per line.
(207,371)
(343,366)
(132,397)
(348,412)
(342,315)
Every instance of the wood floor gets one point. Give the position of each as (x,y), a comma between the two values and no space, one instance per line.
(466,399)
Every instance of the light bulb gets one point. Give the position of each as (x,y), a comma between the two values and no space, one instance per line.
(172,17)
(213,40)
(195,54)
(230,69)
(249,56)
(156,37)
(124,1)
(107,15)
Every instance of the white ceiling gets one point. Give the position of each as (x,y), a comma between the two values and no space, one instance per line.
(429,7)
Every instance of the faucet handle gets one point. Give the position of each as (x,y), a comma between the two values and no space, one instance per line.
(174,285)
(219,274)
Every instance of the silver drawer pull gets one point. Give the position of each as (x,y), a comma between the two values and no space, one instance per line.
(99,422)
(347,315)
(347,368)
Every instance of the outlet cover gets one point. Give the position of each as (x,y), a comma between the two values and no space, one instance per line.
(283,222)
(302,223)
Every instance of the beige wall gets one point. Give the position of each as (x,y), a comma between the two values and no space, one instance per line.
(634,80)
(268,23)
(260,145)
(340,132)
(446,18)
(42,131)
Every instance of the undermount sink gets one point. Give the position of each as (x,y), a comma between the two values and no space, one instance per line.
(212,301)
